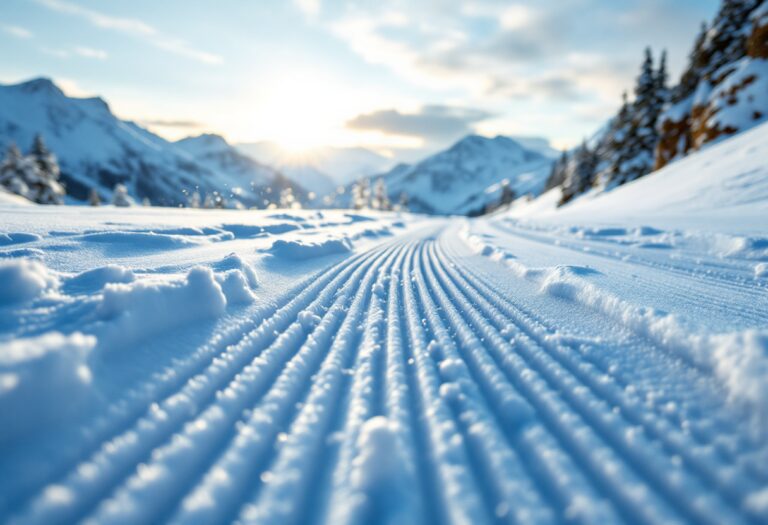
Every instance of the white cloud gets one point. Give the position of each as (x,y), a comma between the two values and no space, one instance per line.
(134,27)
(88,52)
(309,7)
(17,31)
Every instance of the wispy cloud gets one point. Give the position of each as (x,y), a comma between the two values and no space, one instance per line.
(430,123)
(134,27)
(163,123)
(89,52)
(17,31)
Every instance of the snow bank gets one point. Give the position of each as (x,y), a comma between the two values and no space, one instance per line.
(738,360)
(24,280)
(99,277)
(303,249)
(42,379)
(145,308)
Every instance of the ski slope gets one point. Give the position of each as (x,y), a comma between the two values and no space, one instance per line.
(342,367)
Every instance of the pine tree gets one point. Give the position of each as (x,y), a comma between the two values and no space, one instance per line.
(694,71)
(120,196)
(357,196)
(581,174)
(380,200)
(507,193)
(557,175)
(194,200)
(13,174)
(93,198)
(725,41)
(43,182)
(662,79)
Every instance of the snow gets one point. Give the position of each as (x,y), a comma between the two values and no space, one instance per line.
(24,280)
(299,249)
(605,362)
(42,381)
(725,186)
(142,309)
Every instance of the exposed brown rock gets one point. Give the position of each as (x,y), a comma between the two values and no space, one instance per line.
(757,43)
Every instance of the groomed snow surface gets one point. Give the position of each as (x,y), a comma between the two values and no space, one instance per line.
(161,366)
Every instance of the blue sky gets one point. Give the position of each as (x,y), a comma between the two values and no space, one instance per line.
(398,76)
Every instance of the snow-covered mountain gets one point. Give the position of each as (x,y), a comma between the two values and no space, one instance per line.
(98,150)
(321,170)
(469,176)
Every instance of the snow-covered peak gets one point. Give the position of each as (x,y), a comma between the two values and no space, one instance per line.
(205,143)
(41,85)
(468,177)
(97,150)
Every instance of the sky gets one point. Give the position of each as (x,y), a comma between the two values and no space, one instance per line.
(402,77)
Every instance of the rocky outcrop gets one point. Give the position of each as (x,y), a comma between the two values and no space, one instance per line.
(724,89)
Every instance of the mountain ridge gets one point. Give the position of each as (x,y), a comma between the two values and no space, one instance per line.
(97,150)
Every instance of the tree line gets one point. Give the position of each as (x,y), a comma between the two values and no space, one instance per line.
(661,123)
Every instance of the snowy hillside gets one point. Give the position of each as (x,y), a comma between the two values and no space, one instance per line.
(468,176)
(725,185)
(97,150)
(321,170)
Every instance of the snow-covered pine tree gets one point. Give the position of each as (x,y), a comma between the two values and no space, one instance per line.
(43,182)
(507,193)
(93,197)
(358,196)
(13,170)
(380,200)
(726,40)
(209,203)
(120,196)
(636,138)
(557,175)
(662,82)
(580,174)
(194,200)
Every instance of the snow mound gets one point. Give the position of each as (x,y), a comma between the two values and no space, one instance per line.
(235,262)
(23,280)
(144,308)
(302,249)
(7,239)
(42,379)
(151,240)
(99,277)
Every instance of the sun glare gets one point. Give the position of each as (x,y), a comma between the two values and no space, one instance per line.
(303,110)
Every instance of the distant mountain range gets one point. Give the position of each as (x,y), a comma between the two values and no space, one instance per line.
(468,177)
(97,150)
(321,170)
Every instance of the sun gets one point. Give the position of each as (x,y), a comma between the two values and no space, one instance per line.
(302,110)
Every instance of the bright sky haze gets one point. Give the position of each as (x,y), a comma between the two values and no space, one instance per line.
(401,77)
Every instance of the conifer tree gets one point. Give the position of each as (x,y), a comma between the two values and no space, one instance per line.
(43,181)
(120,196)
(93,198)
(13,172)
